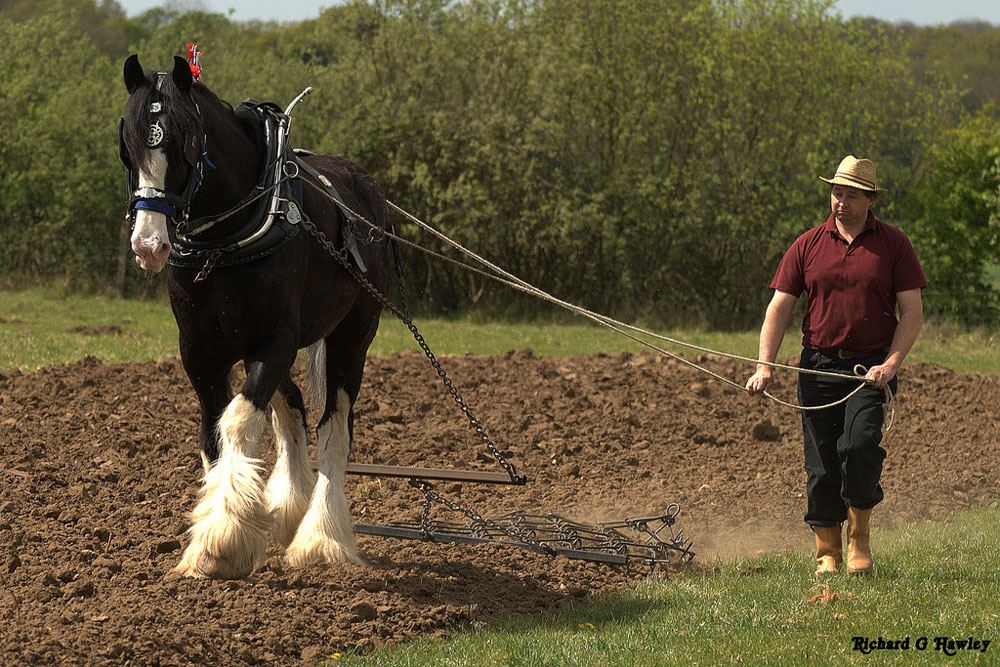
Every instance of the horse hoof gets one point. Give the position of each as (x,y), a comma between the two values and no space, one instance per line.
(331,554)
(210,567)
(207,566)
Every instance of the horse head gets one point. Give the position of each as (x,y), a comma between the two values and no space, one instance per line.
(162,144)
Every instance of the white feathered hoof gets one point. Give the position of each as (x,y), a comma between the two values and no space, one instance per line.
(291,483)
(307,552)
(206,566)
(230,523)
(225,555)
(287,511)
(322,536)
(325,534)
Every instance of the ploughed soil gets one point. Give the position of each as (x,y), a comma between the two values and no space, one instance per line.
(100,468)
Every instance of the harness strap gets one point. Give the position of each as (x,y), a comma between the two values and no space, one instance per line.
(350,240)
(156,206)
(155,199)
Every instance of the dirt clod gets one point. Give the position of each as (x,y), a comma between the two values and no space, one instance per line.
(766,431)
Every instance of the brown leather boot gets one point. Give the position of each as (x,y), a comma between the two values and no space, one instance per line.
(859,553)
(828,548)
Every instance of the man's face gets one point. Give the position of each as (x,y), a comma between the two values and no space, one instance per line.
(850,205)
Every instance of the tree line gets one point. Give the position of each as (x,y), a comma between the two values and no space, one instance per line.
(649,159)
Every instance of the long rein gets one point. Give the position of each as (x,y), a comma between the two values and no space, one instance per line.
(504,277)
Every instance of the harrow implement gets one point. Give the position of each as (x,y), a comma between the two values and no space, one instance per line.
(651,540)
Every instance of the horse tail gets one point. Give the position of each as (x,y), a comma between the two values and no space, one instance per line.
(316,369)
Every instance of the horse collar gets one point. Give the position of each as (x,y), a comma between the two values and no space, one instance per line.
(273,221)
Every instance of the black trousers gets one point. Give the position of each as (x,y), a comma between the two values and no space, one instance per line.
(843,453)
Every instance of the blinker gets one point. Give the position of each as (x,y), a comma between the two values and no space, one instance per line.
(122,151)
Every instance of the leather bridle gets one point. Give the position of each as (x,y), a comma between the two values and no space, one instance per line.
(174,206)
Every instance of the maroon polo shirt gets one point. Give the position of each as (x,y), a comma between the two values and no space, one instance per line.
(851,287)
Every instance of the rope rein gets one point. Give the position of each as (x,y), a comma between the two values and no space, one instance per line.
(621,328)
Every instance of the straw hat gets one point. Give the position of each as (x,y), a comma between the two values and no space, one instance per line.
(856,173)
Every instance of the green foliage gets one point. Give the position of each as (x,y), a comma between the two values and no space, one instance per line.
(647,159)
(956,215)
(58,149)
(964,53)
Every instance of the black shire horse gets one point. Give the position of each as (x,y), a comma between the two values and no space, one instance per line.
(246,285)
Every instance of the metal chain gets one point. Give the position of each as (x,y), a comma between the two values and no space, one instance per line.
(425,513)
(341,256)
(398,261)
(213,257)
(477,519)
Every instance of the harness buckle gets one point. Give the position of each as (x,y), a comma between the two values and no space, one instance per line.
(293,215)
(148,193)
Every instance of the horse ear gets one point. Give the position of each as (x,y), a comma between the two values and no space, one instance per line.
(133,75)
(182,75)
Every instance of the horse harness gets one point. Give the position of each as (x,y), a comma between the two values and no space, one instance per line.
(275,219)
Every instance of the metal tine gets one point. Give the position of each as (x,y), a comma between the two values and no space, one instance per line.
(558,535)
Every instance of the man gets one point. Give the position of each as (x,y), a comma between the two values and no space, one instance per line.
(856,271)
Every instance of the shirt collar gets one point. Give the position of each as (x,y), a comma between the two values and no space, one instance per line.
(831,224)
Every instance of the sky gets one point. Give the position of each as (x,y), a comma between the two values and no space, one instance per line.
(923,12)
(920,12)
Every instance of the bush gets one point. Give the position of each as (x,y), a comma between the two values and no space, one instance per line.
(956,214)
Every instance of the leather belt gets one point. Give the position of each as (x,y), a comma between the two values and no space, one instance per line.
(853,354)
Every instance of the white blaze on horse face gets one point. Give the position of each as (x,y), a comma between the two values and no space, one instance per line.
(149,236)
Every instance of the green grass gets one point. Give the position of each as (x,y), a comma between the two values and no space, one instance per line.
(932,580)
(34,327)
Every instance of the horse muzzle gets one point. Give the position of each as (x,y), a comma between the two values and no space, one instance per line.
(151,252)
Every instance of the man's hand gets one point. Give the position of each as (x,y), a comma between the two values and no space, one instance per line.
(911,318)
(882,374)
(760,381)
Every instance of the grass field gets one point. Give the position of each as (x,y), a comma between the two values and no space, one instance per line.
(934,580)
(39,327)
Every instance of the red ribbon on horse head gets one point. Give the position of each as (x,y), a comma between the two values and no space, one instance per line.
(194,56)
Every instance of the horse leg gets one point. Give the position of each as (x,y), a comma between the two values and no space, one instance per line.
(212,387)
(325,533)
(291,483)
(231,521)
